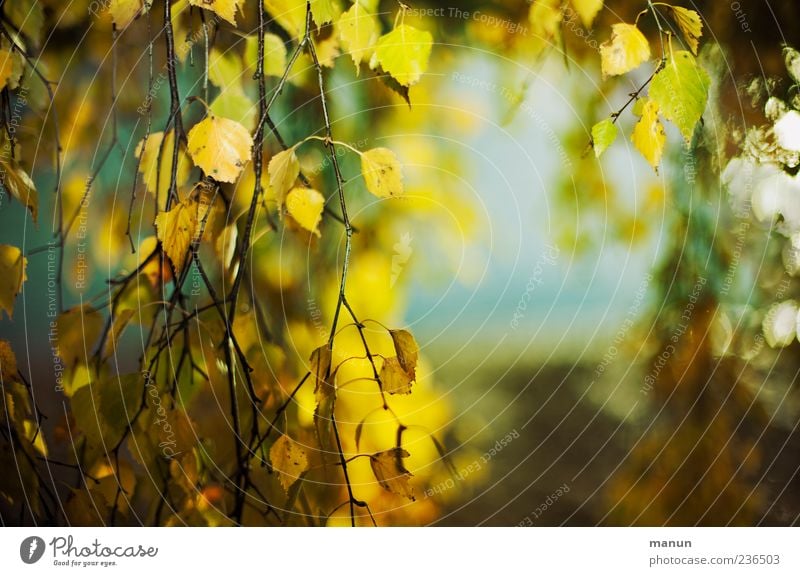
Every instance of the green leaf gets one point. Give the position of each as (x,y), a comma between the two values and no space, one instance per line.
(603,135)
(681,92)
(404,53)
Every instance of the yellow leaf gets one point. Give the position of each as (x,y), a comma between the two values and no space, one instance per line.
(290,14)
(124,11)
(327,49)
(156,175)
(19,185)
(403,53)
(225,9)
(121,321)
(320,367)
(17,65)
(587,10)
(648,135)
(220,147)
(284,168)
(690,25)
(324,11)
(225,70)
(407,350)
(394,378)
(627,49)
(545,18)
(305,206)
(6,67)
(235,104)
(382,172)
(358,31)
(274,55)
(184,40)
(390,472)
(27,16)
(8,363)
(288,459)
(324,394)
(12,275)
(177,229)
(103,411)
(78,330)
(35,437)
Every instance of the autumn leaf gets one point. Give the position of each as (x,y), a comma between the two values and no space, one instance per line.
(19,185)
(403,53)
(690,25)
(648,135)
(407,350)
(305,205)
(17,65)
(545,17)
(225,9)
(220,147)
(327,49)
(12,275)
(8,363)
(627,49)
(123,12)
(324,394)
(587,10)
(6,67)
(225,70)
(288,459)
(390,472)
(323,11)
(358,32)
(603,135)
(27,16)
(274,54)
(157,175)
(283,169)
(104,409)
(382,172)
(681,91)
(177,229)
(320,367)
(235,104)
(120,322)
(394,378)
(78,330)
(290,14)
